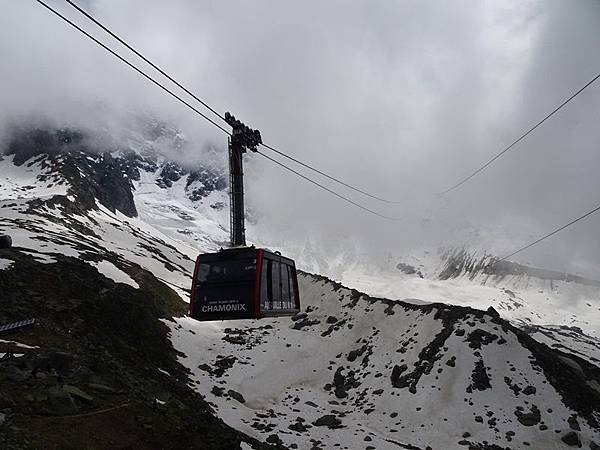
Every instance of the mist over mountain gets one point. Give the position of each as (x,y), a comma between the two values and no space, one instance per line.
(402,100)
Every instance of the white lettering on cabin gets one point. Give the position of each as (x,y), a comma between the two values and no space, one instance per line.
(224,308)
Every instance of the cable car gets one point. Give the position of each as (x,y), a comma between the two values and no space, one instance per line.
(244,283)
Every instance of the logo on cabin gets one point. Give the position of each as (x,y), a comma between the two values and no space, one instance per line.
(224,308)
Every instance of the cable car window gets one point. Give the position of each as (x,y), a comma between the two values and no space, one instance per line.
(226,271)
(266,292)
(276,284)
(285,286)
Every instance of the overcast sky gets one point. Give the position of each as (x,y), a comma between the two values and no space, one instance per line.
(401,98)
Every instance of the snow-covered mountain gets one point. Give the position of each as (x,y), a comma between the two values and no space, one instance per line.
(404,356)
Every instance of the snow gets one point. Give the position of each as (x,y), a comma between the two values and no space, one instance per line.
(163,371)
(190,226)
(111,271)
(5,263)
(25,181)
(521,299)
(279,369)
(18,344)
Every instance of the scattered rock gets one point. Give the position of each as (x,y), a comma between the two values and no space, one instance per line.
(529,419)
(573,423)
(328,420)
(353,354)
(299,316)
(481,380)
(236,395)
(529,390)
(396,373)
(217,391)
(477,338)
(343,383)
(5,241)
(572,439)
(332,319)
(298,426)
(306,322)
(274,439)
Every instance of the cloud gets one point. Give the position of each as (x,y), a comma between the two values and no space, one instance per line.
(399,98)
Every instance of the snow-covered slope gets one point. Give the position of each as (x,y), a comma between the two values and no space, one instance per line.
(383,368)
(60,197)
(357,372)
(522,298)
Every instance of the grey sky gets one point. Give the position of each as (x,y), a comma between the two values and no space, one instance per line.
(402,98)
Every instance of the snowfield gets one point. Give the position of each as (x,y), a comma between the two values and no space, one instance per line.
(269,378)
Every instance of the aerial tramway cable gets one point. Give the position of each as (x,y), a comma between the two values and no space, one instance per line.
(520,138)
(216,113)
(206,105)
(177,97)
(537,241)
(133,66)
(329,190)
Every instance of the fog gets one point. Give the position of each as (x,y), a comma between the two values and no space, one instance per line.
(402,99)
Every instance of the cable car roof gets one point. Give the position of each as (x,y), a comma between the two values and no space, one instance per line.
(243,252)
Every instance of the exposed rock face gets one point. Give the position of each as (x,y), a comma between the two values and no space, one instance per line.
(458,262)
(202,182)
(95,171)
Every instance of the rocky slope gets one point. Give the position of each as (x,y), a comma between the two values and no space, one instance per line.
(97,370)
(362,372)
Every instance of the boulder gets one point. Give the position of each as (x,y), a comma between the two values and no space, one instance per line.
(572,439)
(5,241)
(328,420)
(236,395)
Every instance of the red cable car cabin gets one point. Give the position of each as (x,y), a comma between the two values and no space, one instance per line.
(244,283)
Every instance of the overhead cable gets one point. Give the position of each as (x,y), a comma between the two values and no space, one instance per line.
(161,71)
(141,72)
(213,110)
(331,177)
(520,138)
(537,241)
(157,83)
(358,205)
